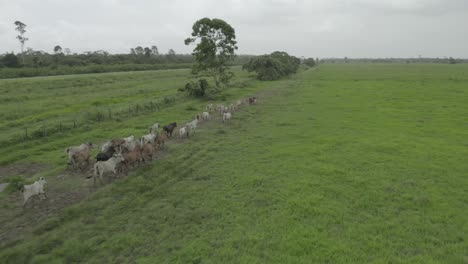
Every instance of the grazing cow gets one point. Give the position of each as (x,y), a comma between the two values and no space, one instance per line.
(81,160)
(231,108)
(103,156)
(83,151)
(191,126)
(210,108)
(130,138)
(102,167)
(221,108)
(154,128)
(36,188)
(252,100)
(105,147)
(206,115)
(161,140)
(132,157)
(227,116)
(147,152)
(170,128)
(148,138)
(115,143)
(183,131)
(238,103)
(129,143)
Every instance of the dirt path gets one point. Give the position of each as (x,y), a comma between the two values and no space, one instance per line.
(21,169)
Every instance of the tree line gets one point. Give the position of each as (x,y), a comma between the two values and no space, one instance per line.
(215,46)
(446,60)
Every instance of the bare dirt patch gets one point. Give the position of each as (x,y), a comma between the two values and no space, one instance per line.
(21,169)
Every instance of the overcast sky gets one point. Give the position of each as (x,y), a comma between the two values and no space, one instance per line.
(313,28)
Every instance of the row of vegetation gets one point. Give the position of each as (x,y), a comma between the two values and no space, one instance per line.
(446,60)
(214,52)
(39,63)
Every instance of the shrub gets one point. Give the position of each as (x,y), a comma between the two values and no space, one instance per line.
(198,89)
(309,62)
(15,184)
(272,67)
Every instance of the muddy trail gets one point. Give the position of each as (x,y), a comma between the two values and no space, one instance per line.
(68,188)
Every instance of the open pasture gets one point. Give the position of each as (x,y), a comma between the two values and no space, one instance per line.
(53,109)
(347,163)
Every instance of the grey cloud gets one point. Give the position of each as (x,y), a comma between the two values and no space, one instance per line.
(318,28)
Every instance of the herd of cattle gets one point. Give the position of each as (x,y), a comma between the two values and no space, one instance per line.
(121,154)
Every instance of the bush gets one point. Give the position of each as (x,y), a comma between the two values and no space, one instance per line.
(272,67)
(15,184)
(198,89)
(309,62)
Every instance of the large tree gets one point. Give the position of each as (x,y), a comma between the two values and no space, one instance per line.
(216,43)
(21,28)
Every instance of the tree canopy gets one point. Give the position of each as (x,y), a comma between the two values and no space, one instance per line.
(216,45)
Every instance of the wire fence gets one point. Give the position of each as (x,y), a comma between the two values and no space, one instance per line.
(78,120)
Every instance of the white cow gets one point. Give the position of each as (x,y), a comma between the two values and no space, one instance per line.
(221,109)
(206,115)
(148,138)
(106,146)
(130,143)
(154,128)
(102,167)
(191,126)
(210,107)
(227,116)
(36,188)
(182,132)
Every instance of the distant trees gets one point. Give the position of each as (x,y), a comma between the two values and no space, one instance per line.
(451,60)
(154,51)
(274,66)
(216,45)
(139,50)
(394,60)
(147,52)
(10,60)
(21,28)
(58,50)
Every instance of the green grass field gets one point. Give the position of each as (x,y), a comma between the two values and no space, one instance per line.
(356,163)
